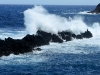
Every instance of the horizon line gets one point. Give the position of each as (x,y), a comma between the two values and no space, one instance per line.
(47,4)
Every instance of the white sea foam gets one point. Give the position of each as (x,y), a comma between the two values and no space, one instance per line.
(86,12)
(81,12)
(74,47)
(39,18)
(18,34)
(23,59)
(68,13)
(95,29)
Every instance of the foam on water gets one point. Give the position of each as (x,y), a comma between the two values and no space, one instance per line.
(85,12)
(13,34)
(95,29)
(39,18)
(23,59)
(76,47)
(81,13)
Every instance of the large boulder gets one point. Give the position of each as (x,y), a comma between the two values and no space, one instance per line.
(96,10)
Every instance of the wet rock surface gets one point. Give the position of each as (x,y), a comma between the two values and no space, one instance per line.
(30,42)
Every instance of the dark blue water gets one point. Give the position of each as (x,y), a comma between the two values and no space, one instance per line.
(12,15)
(78,57)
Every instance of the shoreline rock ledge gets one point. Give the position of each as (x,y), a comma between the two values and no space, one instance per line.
(31,43)
(96,10)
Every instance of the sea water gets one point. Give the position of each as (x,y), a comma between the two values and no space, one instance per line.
(77,57)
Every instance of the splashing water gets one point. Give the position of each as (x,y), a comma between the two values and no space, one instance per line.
(39,18)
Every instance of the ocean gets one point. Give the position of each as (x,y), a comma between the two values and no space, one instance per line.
(76,57)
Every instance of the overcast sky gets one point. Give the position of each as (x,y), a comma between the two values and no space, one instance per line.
(52,2)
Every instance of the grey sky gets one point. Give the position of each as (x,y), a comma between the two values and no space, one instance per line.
(52,2)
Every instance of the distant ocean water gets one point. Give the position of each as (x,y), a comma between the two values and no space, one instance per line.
(77,57)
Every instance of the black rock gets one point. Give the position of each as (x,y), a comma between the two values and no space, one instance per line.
(63,34)
(73,35)
(87,34)
(56,38)
(96,10)
(45,35)
(79,36)
(68,38)
(30,42)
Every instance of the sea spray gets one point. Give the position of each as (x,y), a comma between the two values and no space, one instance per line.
(38,18)
(95,29)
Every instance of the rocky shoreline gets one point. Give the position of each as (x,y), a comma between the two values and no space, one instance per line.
(30,42)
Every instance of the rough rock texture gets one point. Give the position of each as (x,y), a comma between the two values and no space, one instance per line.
(31,42)
(96,10)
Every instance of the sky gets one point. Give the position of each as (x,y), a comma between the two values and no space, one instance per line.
(51,2)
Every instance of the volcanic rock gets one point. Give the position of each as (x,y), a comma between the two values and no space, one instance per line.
(96,10)
(32,42)
(79,36)
(56,38)
(68,38)
(87,34)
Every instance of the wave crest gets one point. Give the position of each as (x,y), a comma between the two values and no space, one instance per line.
(39,18)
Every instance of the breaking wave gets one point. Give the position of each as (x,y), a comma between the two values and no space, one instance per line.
(39,18)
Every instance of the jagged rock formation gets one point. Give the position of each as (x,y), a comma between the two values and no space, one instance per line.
(30,42)
(96,10)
